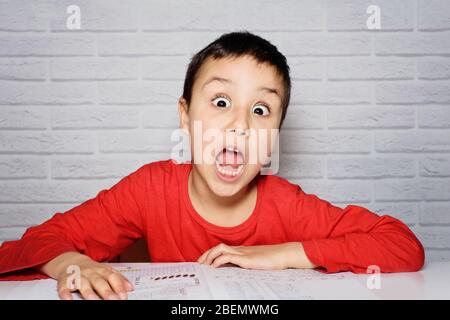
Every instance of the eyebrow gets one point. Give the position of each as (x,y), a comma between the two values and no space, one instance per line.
(270,90)
(224,80)
(228,81)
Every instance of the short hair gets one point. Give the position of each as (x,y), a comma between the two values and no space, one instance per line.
(237,44)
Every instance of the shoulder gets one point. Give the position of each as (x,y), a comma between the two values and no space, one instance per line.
(167,166)
(163,170)
(279,188)
(277,182)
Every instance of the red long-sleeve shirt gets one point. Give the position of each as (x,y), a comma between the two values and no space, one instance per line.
(153,202)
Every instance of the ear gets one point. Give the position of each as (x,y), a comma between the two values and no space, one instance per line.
(183,111)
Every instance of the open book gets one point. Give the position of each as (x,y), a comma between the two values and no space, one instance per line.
(196,281)
(193,281)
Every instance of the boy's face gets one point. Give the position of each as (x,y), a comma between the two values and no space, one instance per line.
(232,93)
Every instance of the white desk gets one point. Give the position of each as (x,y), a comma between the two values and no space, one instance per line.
(432,282)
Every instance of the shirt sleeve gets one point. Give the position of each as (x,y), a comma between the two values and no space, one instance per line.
(353,238)
(100,228)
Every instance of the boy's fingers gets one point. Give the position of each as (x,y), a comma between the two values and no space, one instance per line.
(64,293)
(230,258)
(117,283)
(66,286)
(127,283)
(202,257)
(86,290)
(217,251)
(205,255)
(89,294)
(103,288)
(213,253)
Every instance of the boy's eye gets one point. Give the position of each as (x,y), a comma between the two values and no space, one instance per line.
(221,102)
(261,110)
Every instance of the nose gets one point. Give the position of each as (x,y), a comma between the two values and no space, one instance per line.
(238,132)
(239,124)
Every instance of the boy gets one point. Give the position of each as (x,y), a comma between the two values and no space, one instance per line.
(218,208)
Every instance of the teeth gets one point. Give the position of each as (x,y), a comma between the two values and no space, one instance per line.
(232,149)
(229,172)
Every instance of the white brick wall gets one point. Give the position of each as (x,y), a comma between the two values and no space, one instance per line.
(369,122)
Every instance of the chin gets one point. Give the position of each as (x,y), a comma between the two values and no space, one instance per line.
(222,190)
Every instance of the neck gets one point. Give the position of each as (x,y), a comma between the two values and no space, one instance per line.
(200,190)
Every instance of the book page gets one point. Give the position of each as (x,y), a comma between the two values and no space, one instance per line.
(165,281)
(197,281)
(230,282)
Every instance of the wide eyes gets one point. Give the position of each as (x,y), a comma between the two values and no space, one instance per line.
(224,102)
(261,110)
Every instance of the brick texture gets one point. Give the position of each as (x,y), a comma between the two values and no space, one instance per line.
(369,121)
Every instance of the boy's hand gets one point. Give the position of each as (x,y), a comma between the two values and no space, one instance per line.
(278,256)
(96,280)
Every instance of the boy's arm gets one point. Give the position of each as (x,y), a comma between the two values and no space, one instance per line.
(353,238)
(100,228)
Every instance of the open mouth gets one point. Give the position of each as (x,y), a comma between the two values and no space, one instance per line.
(229,164)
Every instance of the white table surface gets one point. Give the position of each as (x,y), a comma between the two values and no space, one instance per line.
(432,282)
